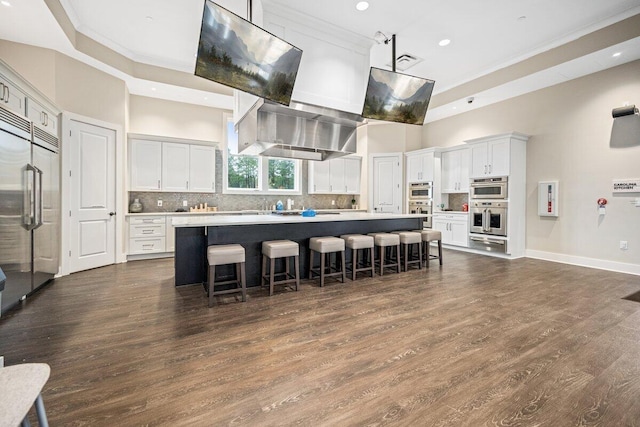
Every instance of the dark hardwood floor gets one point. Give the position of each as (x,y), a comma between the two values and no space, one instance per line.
(480,341)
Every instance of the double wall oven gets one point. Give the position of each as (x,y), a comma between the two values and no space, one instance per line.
(420,195)
(488,214)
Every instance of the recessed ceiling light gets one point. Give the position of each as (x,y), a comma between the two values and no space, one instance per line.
(5,3)
(455,108)
(153,89)
(149,18)
(615,55)
(444,42)
(521,18)
(362,5)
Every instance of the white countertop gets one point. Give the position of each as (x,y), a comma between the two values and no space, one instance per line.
(218,220)
(243,212)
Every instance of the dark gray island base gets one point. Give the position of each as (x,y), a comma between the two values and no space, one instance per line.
(192,240)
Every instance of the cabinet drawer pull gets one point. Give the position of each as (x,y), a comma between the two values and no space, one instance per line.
(147,231)
(158,184)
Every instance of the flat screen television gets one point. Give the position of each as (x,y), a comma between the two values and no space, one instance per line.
(236,53)
(396,97)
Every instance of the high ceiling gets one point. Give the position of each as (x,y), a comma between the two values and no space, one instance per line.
(485,35)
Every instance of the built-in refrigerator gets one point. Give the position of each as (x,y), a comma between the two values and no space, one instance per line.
(29,207)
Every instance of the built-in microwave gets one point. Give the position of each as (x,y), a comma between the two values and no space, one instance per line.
(489,188)
(420,191)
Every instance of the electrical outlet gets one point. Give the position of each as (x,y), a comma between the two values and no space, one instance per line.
(184,203)
(159,203)
(624,245)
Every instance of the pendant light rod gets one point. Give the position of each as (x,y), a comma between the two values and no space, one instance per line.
(393,52)
(250,10)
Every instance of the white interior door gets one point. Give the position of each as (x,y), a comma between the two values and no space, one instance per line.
(92,196)
(386,191)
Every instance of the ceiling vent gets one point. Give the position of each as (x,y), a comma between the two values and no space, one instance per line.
(406,61)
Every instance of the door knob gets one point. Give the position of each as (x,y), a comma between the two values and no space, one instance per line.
(112,213)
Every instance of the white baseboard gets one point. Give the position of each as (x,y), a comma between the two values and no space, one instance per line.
(601,264)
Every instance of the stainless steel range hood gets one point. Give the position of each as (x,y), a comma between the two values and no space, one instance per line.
(300,131)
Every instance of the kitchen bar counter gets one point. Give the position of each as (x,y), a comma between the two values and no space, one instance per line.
(242,212)
(194,234)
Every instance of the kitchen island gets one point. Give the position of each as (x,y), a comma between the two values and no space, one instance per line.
(194,234)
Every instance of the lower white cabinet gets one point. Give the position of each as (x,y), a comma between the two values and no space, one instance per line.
(147,234)
(170,235)
(454,228)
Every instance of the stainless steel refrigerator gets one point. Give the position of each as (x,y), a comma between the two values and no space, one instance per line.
(29,207)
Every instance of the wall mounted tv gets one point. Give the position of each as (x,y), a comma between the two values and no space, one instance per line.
(396,97)
(239,54)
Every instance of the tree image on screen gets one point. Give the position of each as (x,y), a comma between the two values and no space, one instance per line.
(236,53)
(397,97)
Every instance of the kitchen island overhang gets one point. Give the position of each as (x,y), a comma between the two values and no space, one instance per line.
(194,234)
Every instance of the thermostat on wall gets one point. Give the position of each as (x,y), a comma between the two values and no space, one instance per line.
(548,198)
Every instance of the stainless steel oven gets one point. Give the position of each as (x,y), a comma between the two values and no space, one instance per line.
(488,218)
(489,188)
(422,207)
(420,191)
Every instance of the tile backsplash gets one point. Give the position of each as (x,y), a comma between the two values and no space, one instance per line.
(236,202)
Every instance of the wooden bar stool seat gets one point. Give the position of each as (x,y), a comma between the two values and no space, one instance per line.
(223,255)
(325,246)
(429,236)
(274,249)
(360,242)
(407,240)
(384,241)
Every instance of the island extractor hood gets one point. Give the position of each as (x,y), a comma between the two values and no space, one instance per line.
(300,131)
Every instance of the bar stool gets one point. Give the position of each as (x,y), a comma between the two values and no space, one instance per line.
(223,255)
(357,242)
(407,240)
(383,241)
(286,249)
(20,388)
(325,246)
(429,236)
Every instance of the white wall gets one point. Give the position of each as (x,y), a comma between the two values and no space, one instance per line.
(570,126)
(175,119)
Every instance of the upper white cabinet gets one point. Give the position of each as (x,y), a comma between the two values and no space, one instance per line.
(11,97)
(146,165)
(42,117)
(420,166)
(202,169)
(352,168)
(336,176)
(175,167)
(490,158)
(455,170)
(171,166)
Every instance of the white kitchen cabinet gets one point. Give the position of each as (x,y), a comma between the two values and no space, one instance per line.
(42,117)
(455,171)
(336,176)
(202,168)
(352,168)
(170,235)
(145,166)
(147,235)
(157,165)
(175,167)
(11,97)
(490,159)
(454,228)
(420,166)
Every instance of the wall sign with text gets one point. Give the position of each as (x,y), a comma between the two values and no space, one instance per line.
(631,185)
